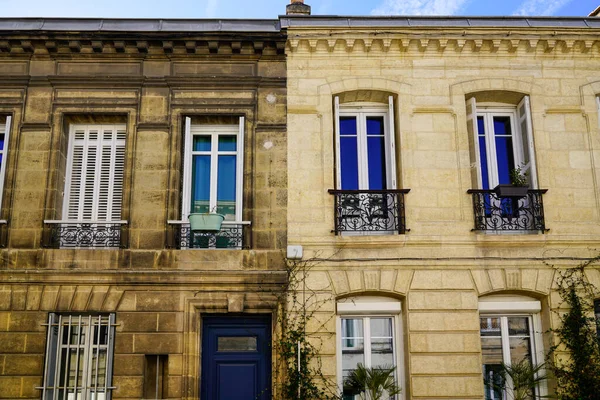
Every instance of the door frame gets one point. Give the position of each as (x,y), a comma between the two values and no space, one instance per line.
(256,320)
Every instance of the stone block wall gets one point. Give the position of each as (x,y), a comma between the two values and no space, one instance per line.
(150,82)
(441,268)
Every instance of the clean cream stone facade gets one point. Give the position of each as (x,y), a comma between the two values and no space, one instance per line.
(441,268)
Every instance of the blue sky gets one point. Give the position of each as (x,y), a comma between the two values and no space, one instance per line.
(272,8)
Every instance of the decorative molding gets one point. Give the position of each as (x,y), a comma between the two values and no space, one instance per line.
(564,110)
(271,128)
(35,126)
(142,45)
(372,43)
(153,126)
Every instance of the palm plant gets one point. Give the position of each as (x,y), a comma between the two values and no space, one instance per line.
(374,382)
(524,377)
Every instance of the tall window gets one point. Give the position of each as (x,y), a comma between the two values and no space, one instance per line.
(4,135)
(503,142)
(95,167)
(365,146)
(79,356)
(510,329)
(368,334)
(213,169)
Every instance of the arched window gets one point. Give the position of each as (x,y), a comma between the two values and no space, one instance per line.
(510,329)
(503,141)
(368,333)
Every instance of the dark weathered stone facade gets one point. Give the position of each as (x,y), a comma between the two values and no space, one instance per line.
(148,75)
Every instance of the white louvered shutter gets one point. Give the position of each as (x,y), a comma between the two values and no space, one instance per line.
(473,131)
(94,189)
(528,162)
(391,147)
(338,162)
(186,194)
(5,130)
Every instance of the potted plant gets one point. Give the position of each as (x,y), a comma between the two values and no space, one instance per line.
(523,378)
(371,383)
(518,187)
(206,222)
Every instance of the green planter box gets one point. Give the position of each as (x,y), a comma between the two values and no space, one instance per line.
(206,222)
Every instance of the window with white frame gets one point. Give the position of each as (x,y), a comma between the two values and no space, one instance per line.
(510,330)
(502,142)
(368,333)
(95,168)
(79,353)
(213,169)
(365,146)
(4,136)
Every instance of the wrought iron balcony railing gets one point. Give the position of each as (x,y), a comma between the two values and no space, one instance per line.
(84,234)
(231,236)
(375,211)
(502,214)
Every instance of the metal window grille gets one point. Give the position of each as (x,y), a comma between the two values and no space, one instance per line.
(79,356)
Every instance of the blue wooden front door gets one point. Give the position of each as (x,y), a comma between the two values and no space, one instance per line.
(236,358)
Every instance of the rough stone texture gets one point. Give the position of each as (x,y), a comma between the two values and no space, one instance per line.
(158,293)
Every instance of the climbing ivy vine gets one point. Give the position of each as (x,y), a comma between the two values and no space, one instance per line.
(575,359)
(298,351)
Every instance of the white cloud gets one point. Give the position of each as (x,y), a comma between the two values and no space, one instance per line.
(210,11)
(540,7)
(419,7)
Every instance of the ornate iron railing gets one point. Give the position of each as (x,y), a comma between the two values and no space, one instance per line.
(495,213)
(231,236)
(369,210)
(85,234)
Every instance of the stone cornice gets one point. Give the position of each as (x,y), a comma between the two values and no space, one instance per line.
(373,42)
(140,45)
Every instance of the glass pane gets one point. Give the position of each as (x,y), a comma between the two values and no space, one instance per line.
(1,141)
(376,158)
(347,125)
(382,347)
(352,328)
(489,326)
(492,381)
(200,184)
(518,326)
(227,143)
(374,125)
(103,334)
(201,143)
(71,368)
(352,344)
(349,161)
(505,158)
(520,349)
(73,336)
(226,186)
(381,327)
(491,350)
(98,368)
(502,126)
(247,343)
